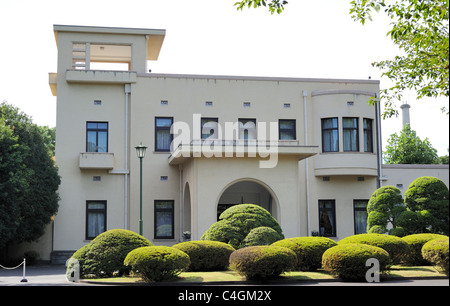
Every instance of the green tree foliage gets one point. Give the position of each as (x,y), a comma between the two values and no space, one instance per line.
(420,28)
(408,148)
(29,178)
(238,221)
(429,196)
(384,207)
(274,5)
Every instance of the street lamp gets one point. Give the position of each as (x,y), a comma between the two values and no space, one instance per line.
(140,151)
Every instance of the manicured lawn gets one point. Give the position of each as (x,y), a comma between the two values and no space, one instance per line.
(231,276)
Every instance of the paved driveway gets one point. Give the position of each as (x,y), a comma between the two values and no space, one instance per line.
(54,275)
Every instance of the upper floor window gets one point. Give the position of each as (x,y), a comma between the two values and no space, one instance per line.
(287,129)
(210,128)
(368,135)
(97,137)
(351,135)
(330,135)
(163,137)
(247,129)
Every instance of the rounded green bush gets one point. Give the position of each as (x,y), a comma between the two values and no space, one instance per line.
(436,252)
(206,255)
(309,250)
(236,222)
(105,254)
(348,261)
(397,248)
(157,263)
(416,242)
(262,235)
(262,262)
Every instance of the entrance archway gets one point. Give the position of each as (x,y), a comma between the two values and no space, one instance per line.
(248,191)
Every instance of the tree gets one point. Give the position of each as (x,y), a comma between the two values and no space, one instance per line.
(420,28)
(384,207)
(408,148)
(35,198)
(11,182)
(238,221)
(429,196)
(274,5)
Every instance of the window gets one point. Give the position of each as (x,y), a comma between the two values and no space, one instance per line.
(95,218)
(96,137)
(247,129)
(351,135)
(327,218)
(360,213)
(209,128)
(330,135)
(368,135)
(163,137)
(287,129)
(164,219)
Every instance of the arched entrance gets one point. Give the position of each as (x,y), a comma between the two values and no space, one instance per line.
(248,191)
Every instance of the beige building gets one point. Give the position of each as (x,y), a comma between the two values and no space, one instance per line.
(304,149)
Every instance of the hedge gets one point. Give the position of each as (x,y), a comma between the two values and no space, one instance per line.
(104,255)
(397,248)
(309,250)
(262,235)
(157,263)
(436,252)
(416,242)
(236,223)
(262,262)
(348,261)
(206,255)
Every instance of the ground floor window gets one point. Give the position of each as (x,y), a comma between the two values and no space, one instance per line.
(327,218)
(360,213)
(164,219)
(95,218)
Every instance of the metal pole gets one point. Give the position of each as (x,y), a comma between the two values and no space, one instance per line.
(140,205)
(24,280)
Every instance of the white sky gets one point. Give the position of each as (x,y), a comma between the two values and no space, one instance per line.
(312,38)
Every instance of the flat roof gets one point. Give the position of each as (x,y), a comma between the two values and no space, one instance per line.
(107,30)
(154,43)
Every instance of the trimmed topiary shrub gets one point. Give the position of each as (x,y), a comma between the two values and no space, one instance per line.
(207,255)
(157,263)
(236,222)
(416,242)
(397,248)
(348,261)
(309,250)
(105,254)
(261,236)
(436,252)
(262,262)
(430,194)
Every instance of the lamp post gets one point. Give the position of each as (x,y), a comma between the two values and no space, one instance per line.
(140,151)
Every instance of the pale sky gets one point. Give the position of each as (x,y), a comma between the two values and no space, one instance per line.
(311,39)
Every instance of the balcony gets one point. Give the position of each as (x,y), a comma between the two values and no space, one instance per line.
(240,148)
(100,76)
(345,163)
(91,161)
